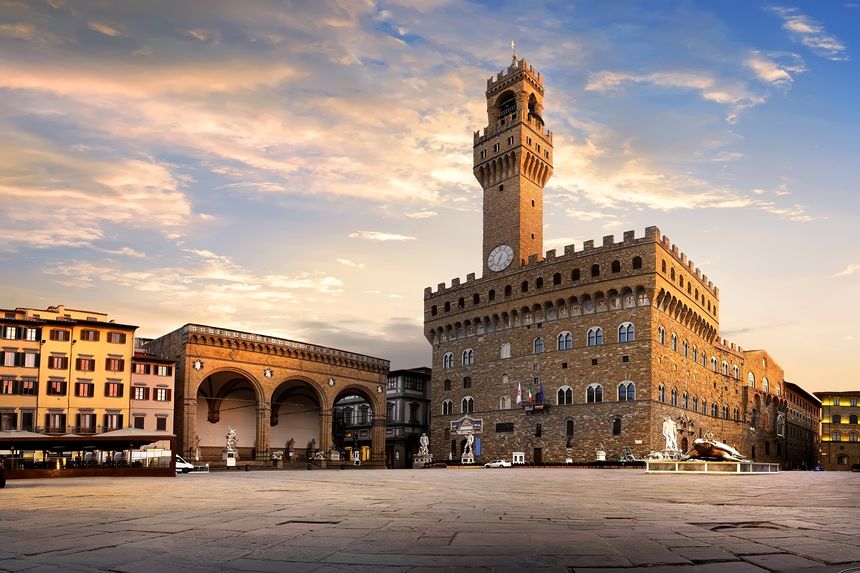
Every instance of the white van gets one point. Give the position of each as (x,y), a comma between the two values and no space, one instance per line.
(182,466)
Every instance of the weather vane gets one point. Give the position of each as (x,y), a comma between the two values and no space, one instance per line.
(514,49)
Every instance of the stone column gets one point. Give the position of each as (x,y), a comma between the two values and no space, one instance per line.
(187,429)
(264,412)
(377,445)
(325,434)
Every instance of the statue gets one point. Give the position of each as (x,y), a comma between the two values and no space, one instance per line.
(312,445)
(424,443)
(196,447)
(670,431)
(288,450)
(468,450)
(710,449)
(232,440)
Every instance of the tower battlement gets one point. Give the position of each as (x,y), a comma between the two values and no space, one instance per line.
(490,132)
(512,74)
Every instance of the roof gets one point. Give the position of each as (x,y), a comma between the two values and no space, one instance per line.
(118,438)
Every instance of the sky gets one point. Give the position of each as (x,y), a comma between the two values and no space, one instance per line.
(303,169)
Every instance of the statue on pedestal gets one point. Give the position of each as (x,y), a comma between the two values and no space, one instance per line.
(468,456)
(423,445)
(670,432)
(232,440)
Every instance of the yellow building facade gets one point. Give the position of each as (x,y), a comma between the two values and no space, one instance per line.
(64,371)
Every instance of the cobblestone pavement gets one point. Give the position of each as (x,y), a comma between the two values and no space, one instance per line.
(556,520)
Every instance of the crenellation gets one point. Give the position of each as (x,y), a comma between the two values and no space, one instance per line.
(675,252)
(440,288)
(683,259)
(550,255)
(532,260)
(652,233)
(608,240)
(588,245)
(470,278)
(569,250)
(629,237)
(666,242)
(455,283)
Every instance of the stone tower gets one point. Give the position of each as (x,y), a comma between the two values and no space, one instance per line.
(513,162)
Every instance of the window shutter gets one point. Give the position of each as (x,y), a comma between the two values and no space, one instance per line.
(169,370)
(120,386)
(119,422)
(78,363)
(121,365)
(146,393)
(107,388)
(47,421)
(169,394)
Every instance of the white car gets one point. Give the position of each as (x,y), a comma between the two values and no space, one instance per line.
(182,466)
(498,464)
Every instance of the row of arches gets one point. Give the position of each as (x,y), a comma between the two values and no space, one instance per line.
(683,314)
(585,304)
(706,303)
(594,394)
(497,169)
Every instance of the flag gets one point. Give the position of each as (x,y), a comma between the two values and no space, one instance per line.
(519,393)
(531,398)
(540,392)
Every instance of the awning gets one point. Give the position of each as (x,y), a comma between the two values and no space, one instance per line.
(117,439)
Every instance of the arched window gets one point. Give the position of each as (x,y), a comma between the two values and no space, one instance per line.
(751,379)
(539,282)
(616,426)
(468,357)
(595,336)
(714,364)
(661,335)
(448,306)
(564,395)
(508,290)
(447,408)
(674,397)
(736,415)
(637,262)
(685,348)
(725,412)
(842,459)
(448,360)
(447,385)
(777,389)
(434,310)
(524,287)
(461,303)
(852,437)
(725,366)
(506,350)
(736,372)
(686,401)
(852,419)
(835,436)
(764,385)
(556,279)
(674,342)
(704,406)
(695,354)
(565,340)
(595,270)
(616,266)
(538,345)
(574,275)
(504,378)
(661,393)
(663,266)
(505,403)
(492,294)
(476,298)
(594,394)
(695,404)
(626,332)
(467,405)
(836,419)
(672,273)
(714,410)
(626,391)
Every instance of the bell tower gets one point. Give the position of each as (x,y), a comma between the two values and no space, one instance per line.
(513,162)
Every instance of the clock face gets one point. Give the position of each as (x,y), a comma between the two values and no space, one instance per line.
(500,258)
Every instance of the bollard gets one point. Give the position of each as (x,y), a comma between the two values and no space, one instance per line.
(247,468)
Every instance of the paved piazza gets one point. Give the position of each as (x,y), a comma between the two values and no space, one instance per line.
(431,520)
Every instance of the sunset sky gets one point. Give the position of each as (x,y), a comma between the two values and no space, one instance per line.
(304,169)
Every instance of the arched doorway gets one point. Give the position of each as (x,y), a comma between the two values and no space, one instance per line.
(294,423)
(226,399)
(352,425)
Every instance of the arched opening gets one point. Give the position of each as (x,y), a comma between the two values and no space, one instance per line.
(225,400)
(507,104)
(352,425)
(294,422)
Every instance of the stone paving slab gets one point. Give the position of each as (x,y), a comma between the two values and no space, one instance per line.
(551,521)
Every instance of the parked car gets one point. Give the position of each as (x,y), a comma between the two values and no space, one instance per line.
(855,468)
(182,466)
(817,469)
(498,464)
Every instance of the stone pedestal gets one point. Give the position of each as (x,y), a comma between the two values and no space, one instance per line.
(419,461)
(467,459)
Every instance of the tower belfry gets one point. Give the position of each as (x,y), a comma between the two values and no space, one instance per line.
(513,162)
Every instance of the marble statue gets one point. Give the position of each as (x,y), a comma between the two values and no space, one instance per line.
(670,432)
(232,440)
(424,445)
(196,448)
(470,441)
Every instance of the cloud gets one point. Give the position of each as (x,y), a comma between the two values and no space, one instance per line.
(811,34)
(732,94)
(848,271)
(126,252)
(379,236)
(421,214)
(769,70)
(104,29)
(349,263)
